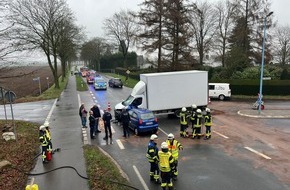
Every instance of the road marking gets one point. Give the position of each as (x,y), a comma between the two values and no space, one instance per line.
(140,178)
(120,144)
(221,135)
(162,131)
(51,110)
(260,154)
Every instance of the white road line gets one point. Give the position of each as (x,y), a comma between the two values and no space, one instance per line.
(260,154)
(140,177)
(221,135)
(51,110)
(120,144)
(79,100)
(162,131)
(112,129)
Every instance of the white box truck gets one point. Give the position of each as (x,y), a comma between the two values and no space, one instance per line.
(167,92)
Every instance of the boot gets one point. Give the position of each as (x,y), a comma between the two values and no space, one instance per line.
(157,181)
(152,178)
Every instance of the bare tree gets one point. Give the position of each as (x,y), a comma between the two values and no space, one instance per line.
(282,45)
(203,26)
(37,25)
(226,12)
(92,50)
(122,28)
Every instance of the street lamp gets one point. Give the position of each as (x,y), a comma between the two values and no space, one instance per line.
(262,65)
(47,79)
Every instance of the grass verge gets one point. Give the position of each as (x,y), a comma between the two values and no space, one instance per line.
(102,173)
(81,85)
(20,154)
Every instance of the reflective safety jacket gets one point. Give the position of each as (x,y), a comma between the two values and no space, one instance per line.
(173,148)
(152,152)
(193,113)
(197,120)
(183,118)
(43,138)
(166,161)
(208,120)
(47,133)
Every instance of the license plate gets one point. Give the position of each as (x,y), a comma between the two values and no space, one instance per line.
(149,123)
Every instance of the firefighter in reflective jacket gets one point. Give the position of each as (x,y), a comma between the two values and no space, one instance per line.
(151,155)
(183,122)
(192,114)
(174,146)
(196,131)
(166,165)
(207,124)
(48,135)
(44,142)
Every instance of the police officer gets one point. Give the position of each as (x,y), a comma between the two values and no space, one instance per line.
(92,123)
(152,154)
(183,122)
(44,143)
(196,131)
(166,165)
(125,118)
(174,146)
(107,117)
(207,124)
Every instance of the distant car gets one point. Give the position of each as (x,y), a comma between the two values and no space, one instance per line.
(115,82)
(100,84)
(142,120)
(91,77)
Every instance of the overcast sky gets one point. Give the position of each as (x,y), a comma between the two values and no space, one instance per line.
(91,13)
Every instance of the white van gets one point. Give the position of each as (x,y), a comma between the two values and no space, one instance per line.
(220,91)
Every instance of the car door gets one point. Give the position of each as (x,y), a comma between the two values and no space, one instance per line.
(134,120)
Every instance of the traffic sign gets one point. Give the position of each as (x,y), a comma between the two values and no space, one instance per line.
(10,96)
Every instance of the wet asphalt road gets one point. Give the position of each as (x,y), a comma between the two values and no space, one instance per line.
(202,165)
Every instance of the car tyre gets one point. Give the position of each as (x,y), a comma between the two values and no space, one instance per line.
(221,97)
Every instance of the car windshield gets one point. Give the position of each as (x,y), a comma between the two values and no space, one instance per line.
(117,80)
(128,101)
(99,80)
(148,115)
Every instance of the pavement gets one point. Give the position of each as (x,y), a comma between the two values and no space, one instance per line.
(271,114)
(68,135)
(67,169)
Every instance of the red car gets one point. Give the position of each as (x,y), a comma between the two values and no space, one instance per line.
(91,78)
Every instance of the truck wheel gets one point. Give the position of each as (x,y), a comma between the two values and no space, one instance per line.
(136,131)
(222,97)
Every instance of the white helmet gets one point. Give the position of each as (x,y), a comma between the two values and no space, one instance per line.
(42,127)
(183,109)
(198,111)
(193,106)
(170,136)
(207,110)
(46,124)
(164,145)
(153,137)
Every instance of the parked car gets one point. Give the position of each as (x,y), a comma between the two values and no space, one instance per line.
(115,82)
(100,84)
(220,91)
(142,120)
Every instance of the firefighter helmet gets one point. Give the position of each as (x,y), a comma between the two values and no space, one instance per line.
(153,137)
(198,111)
(207,110)
(164,145)
(193,106)
(170,136)
(42,127)
(183,109)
